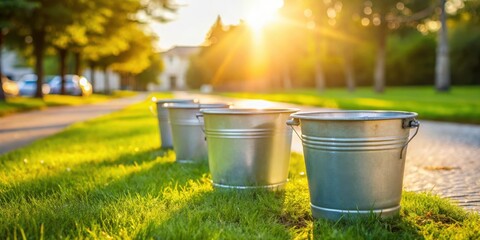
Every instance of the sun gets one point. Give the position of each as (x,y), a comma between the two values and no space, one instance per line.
(262,13)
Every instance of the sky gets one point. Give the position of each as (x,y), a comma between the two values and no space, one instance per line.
(193,21)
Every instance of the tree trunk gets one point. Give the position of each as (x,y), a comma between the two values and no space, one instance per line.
(348,69)
(133,83)
(319,74)
(286,79)
(379,75)
(349,75)
(319,77)
(2,93)
(107,81)
(38,37)
(62,54)
(78,63)
(92,75)
(123,81)
(442,65)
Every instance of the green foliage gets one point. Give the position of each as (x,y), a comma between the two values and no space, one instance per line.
(225,62)
(198,72)
(308,35)
(9,9)
(150,75)
(411,59)
(109,34)
(459,105)
(465,54)
(107,178)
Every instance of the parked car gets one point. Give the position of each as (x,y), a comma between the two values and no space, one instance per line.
(10,88)
(28,85)
(74,85)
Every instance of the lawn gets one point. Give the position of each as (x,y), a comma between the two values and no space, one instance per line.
(20,104)
(461,104)
(107,178)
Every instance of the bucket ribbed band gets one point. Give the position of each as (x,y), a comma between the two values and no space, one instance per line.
(353,144)
(186,122)
(244,133)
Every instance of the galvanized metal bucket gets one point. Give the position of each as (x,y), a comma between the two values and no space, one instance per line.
(163,122)
(187,131)
(248,148)
(355,160)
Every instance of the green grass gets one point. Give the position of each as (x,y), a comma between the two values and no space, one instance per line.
(462,104)
(107,178)
(21,104)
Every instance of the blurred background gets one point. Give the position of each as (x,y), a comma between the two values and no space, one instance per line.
(78,47)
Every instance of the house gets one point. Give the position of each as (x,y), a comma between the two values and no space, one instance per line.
(175,62)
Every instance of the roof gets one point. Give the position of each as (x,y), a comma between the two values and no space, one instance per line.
(182,51)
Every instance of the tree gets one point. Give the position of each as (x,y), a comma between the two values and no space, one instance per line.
(112,38)
(136,58)
(8,10)
(85,17)
(223,60)
(383,15)
(345,37)
(150,74)
(122,44)
(40,25)
(312,14)
(442,66)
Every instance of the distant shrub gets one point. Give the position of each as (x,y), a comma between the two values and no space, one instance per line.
(465,55)
(411,60)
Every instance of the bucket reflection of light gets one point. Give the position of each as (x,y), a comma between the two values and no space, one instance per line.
(256,104)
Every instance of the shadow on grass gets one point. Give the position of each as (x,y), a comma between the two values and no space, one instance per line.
(223,214)
(68,202)
(44,187)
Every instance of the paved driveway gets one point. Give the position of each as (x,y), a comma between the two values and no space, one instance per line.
(444,158)
(20,129)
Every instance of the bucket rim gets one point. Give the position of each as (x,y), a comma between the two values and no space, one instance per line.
(196,105)
(355,115)
(176,100)
(246,111)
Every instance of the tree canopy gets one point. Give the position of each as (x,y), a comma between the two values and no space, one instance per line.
(333,43)
(104,33)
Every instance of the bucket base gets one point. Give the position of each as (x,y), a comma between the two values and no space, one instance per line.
(336,214)
(278,186)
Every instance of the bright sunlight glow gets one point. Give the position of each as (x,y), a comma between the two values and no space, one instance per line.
(262,13)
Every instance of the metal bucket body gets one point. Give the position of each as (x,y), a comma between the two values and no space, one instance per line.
(355,161)
(187,131)
(248,148)
(163,122)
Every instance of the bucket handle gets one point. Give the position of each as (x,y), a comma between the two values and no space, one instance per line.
(410,123)
(152,110)
(198,116)
(294,122)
